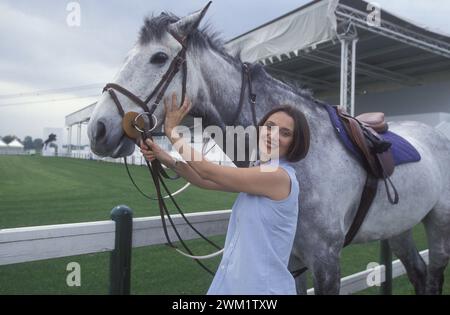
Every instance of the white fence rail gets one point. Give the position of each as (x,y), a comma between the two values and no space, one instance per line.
(54,241)
(26,244)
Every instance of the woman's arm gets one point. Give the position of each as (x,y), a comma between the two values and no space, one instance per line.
(273,183)
(187,172)
(181,168)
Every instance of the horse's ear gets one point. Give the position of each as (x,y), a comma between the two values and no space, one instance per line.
(187,24)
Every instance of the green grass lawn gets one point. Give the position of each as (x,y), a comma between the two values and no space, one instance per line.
(38,191)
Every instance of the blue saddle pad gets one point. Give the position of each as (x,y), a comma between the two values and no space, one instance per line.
(402,151)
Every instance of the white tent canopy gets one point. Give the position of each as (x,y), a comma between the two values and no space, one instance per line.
(15,144)
(305,27)
(2,144)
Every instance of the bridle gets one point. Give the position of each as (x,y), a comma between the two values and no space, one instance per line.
(145,126)
(179,61)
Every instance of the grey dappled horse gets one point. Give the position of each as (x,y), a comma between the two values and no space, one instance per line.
(331,180)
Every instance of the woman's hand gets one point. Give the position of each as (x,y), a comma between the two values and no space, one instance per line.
(174,115)
(152,151)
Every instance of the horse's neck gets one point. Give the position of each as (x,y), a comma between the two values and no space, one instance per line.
(270,93)
(224,81)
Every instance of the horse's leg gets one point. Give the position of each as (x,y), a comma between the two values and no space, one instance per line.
(403,246)
(326,272)
(318,244)
(320,252)
(437,225)
(295,264)
(301,284)
(322,256)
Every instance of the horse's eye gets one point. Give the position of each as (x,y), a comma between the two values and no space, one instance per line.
(159,58)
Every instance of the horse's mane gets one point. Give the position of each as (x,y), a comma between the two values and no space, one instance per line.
(205,37)
(155,27)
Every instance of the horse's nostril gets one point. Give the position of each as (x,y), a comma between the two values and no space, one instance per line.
(100,132)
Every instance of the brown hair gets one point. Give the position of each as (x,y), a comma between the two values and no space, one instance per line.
(301,137)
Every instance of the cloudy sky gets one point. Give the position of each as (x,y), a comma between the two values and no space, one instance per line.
(41,53)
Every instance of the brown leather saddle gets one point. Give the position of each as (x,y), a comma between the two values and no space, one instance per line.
(364,131)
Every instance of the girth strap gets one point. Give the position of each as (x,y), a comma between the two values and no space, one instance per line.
(367,196)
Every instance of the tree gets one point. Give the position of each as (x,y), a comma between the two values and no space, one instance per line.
(7,139)
(28,143)
(38,144)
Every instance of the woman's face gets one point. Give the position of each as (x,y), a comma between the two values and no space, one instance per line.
(276,135)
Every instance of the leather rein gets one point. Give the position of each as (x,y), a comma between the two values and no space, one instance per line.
(145,127)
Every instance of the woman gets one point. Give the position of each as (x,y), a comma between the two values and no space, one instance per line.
(264,216)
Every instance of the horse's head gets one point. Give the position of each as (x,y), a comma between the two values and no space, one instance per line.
(147,62)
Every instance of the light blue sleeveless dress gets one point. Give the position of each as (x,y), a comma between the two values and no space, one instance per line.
(258,244)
